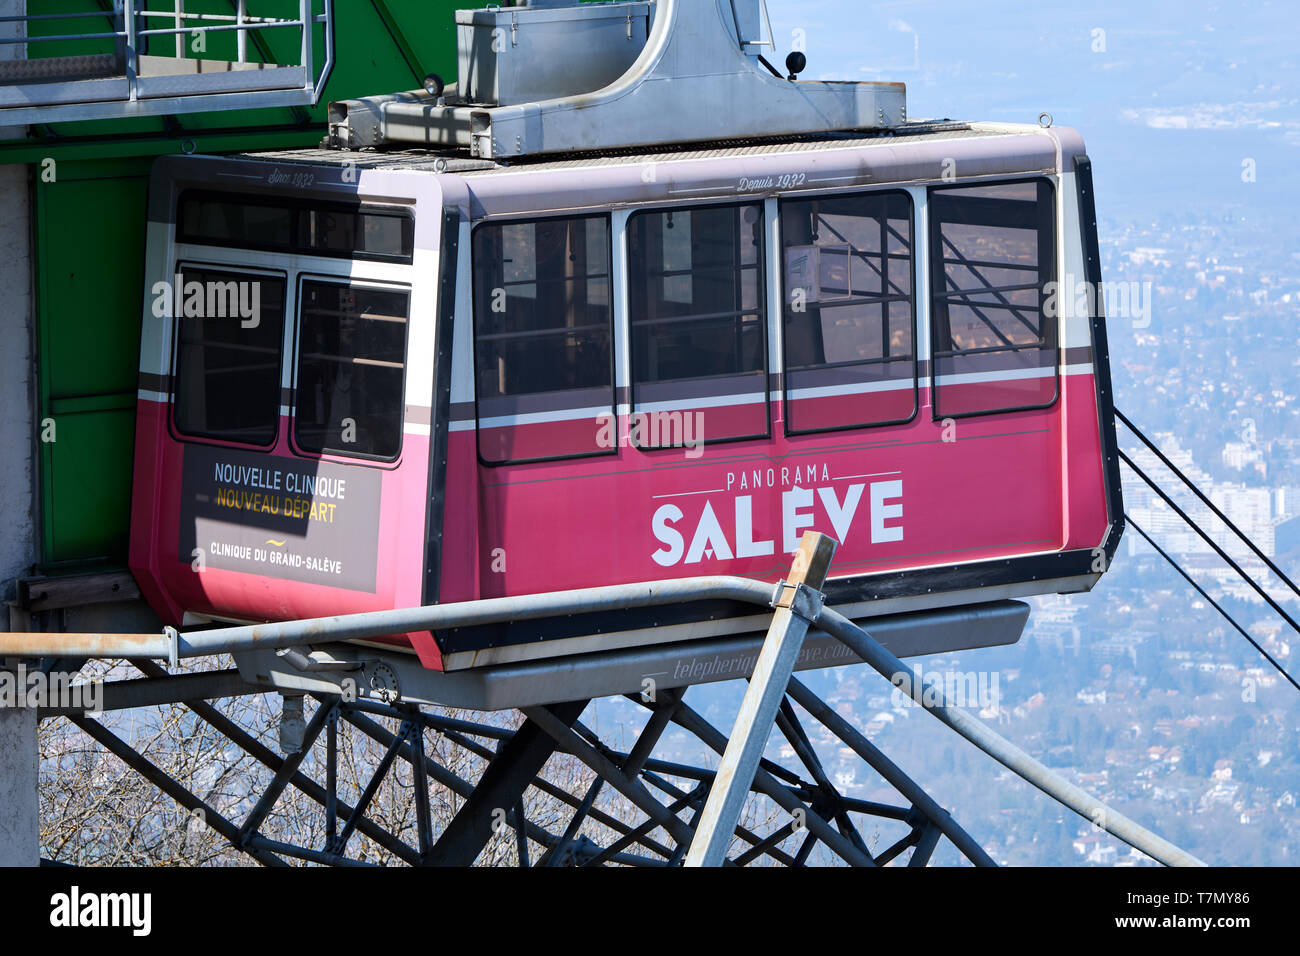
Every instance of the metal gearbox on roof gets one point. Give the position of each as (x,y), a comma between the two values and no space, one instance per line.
(560,77)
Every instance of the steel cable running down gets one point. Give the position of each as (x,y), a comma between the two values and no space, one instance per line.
(1213,603)
(1204,535)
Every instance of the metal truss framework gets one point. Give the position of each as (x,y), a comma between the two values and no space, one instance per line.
(669,797)
(700,824)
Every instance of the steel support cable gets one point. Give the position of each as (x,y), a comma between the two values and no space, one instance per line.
(1207,502)
(1213,603)
(1204,536)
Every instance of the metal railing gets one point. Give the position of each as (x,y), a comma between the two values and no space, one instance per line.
(134,80)
(798,606)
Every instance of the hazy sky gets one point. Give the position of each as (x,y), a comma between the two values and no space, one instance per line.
(1171,97)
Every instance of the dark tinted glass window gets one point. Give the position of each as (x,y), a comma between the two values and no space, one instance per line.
(850,353)
(216,221)
(344,232)
(351,365)
(992,257)
(698,316)
(230,334)
(314,228)
(543,326)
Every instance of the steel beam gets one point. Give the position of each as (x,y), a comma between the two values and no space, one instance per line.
(173,689)
(285,773)
(762,699)
(788,721)
(273,761)
(892,773)
(1003,750)
(605,767)
(502,785)
(461,739)
(167,785)
(423,818)
(925,844)
(368,794)
(766,783)
(466,790)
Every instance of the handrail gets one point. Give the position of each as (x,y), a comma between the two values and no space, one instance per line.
(222,23)
(129,80)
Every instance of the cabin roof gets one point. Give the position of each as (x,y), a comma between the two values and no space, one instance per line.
(418,160)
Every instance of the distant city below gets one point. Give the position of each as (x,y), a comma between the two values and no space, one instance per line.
(1139,691)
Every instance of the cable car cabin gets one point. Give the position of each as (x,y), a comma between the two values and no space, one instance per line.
(378,380)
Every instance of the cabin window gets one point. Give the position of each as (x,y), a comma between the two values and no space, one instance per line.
(993,254)
(698,325)
(349,397)
(543,339)
(230,335)
(229,221)
(352,233)
(275,224)
(850,351)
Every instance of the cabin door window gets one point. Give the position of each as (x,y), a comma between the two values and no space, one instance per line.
(698,325)
(992,255)
(543,339)
(850,345)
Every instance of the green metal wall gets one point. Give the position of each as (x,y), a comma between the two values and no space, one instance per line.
(88,246)
(89,243)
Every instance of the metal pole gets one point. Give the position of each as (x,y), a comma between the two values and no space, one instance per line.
(304,8)
(420,778)
(327,18)
(332,781)
(368,794)
(351,627)
(629,786)
(521,832)
(1001,749)
(893,775)
(19,801)
(502,785)
(132,57)
(763,697)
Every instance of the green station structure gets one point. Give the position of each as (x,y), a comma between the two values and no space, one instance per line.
(91,93)
(74,194)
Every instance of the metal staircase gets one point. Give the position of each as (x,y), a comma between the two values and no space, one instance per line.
(128,60)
